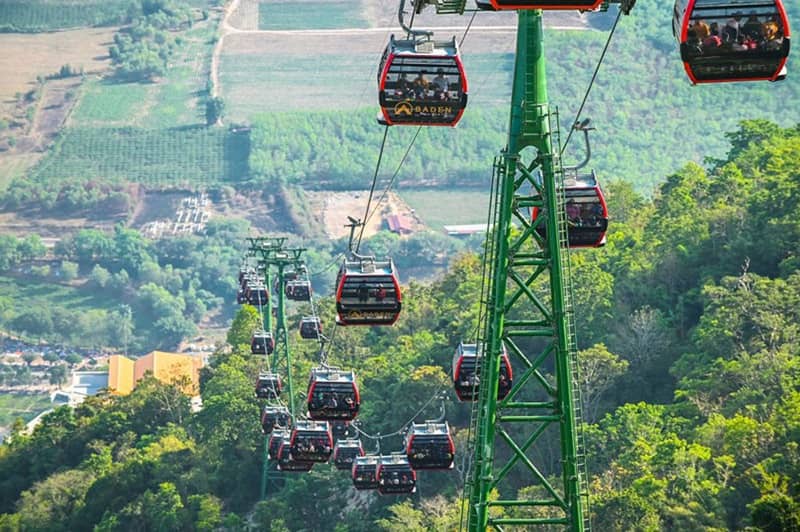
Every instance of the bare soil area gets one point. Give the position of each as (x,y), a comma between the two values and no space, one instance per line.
(335,207)
(26,56)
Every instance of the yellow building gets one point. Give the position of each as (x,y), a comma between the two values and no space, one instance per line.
(124,373)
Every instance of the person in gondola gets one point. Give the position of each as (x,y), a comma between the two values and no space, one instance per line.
(440,85)
(753,28)
(714,40)
(421,85)
(380,294)
(573,213)
(332,403)
(731,31)
(363,292)
(403,88)
(349,402)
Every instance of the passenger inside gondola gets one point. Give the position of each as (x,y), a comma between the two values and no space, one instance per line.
(421,84)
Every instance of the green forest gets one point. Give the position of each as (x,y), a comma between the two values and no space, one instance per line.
(687,325)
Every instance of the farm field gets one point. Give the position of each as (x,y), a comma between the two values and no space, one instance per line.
(183,156)
(29,16)
(255,79)
(26,406)
(26,293)
(326,14)
(25,57)
(437,208)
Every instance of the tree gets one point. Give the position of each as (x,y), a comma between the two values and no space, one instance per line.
(599,370)
(99,276)
(36,321)
(244,324)
(31,247)
(215,109)
(69,270)
(58,374)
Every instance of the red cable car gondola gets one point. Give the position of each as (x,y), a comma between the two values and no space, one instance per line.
(262,343)
(367,293)
(345,453)
(732,40)
(274,416)
(256,294)
(311,441)
(430,446)
(333,395)
(287,461)
(268,385)
(365,472)
(408,96)
(275,440)
(298,290)
(395,475)
(581,5)
(586,211)
(466,367)
(310,328)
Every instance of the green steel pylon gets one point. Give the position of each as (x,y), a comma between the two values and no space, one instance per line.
(272,254)
(529,313)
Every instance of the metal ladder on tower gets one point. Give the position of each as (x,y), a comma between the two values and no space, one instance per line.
(572,349)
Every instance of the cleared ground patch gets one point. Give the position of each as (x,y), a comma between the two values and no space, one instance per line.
(438,208)
(25,57)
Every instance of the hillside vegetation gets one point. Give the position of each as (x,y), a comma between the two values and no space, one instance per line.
(687,318)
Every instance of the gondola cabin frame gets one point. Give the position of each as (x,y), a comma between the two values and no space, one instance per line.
(368,292)
(758,54)
(405,94)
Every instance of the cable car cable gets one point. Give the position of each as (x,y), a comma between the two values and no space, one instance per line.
(591,83)
(374,182)
(406,424)
(394,176)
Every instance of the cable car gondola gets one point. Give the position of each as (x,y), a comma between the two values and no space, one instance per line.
(732,40)
(332,395)
(421,83)
(268,385)
(367,293)
(310,328)
(586,211)
(262,343)
(287,461)
(256,294)
(275,440)
(241,298)
(274,416)
(345,453)
(430,446)
(466,366)
(395,475)
(298,290)
(365,472)
(311,441)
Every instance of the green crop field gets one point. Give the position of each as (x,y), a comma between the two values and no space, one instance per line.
(329,14)
(29,293)
(183,156)
(24,405)
(108,103)
(32,16)
(437,208)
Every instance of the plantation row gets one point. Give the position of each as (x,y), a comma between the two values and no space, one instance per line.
(33,16)
(159,157)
